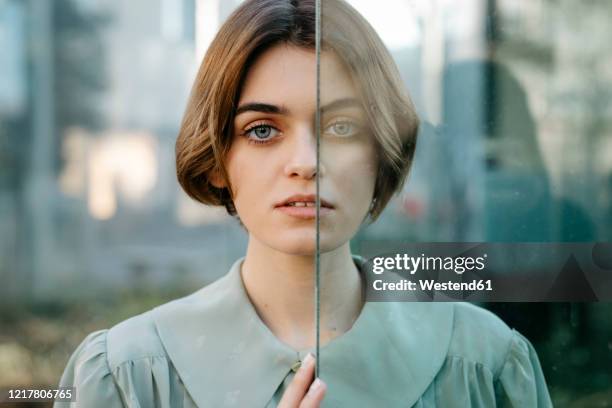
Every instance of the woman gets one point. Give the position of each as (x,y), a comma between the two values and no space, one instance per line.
(247,142)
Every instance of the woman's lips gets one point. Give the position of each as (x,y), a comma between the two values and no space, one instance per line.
(304,206)
(306,212)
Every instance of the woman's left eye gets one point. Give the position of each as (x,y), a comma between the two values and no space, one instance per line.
(261,133)
(343,128)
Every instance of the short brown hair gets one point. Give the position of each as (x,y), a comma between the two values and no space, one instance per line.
(205,134)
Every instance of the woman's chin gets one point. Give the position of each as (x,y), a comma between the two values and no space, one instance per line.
(299,247)
(301,241)
(306,246)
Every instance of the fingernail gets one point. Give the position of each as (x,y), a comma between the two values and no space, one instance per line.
(316,384)
(308,360)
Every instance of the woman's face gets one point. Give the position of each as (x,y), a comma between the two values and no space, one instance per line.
(272,160)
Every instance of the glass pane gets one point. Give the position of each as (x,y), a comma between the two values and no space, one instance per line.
(513,151)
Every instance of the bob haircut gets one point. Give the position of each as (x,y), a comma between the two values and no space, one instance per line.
(205,135)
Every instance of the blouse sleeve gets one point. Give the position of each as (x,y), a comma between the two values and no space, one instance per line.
(88,371)
(521,382)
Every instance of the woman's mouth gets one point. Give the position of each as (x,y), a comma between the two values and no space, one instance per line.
(304,207)
(301,204)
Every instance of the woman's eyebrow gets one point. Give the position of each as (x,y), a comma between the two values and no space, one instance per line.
(261,107)
(279,110)
(340,104)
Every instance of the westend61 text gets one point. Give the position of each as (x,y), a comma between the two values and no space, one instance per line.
(430,284)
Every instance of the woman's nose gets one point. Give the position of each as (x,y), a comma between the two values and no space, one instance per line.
(303,159)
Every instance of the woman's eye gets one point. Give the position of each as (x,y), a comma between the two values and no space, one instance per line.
(261,133)
(343,128)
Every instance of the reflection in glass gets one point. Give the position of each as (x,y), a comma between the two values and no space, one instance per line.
(512,147)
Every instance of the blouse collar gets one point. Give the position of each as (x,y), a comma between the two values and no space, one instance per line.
(226,356)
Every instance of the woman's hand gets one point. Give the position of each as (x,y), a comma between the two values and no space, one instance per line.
(303,392)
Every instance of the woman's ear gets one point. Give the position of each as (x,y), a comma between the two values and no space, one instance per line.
(216,179)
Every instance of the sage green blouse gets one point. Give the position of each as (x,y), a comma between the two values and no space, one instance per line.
(210,349)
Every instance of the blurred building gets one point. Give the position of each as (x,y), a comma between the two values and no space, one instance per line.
(92,96)
(516,144)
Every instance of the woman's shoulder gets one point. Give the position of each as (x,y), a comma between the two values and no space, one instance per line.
(133,339)
(145,336)
(125,365)
(113,366)
(467,331)
(462,330)
(480,336)
(141,336)
(486,347)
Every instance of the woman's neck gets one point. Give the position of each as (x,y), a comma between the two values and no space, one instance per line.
(281,288)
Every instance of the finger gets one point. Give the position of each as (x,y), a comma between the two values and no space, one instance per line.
(299,385)
(315,394)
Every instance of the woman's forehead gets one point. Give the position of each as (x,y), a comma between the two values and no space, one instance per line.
(285,75)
